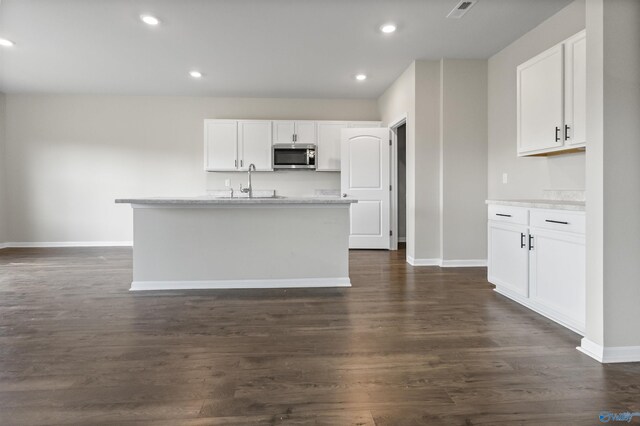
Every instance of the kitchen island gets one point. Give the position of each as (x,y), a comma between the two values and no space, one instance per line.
(216,243)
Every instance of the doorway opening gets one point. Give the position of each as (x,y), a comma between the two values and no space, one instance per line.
(401,193)
(398,182)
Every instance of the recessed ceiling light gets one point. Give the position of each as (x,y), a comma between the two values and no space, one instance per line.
(361,77)
(149,20)
(6,43)
(195,74)
(388,28)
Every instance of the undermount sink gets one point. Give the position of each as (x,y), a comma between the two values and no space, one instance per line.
(250,198)
(258,194)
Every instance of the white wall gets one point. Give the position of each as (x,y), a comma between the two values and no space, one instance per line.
(527,176)
(397,101)
(3,199)
(69,157)
(463,159)
(613,169)
(446,141)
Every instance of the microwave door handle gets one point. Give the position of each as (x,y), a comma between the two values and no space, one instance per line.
(307,157)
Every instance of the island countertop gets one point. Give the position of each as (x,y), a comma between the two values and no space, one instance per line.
(213,201)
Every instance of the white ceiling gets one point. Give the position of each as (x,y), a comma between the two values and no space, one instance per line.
(262,48)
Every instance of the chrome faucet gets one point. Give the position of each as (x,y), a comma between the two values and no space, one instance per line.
(250,187)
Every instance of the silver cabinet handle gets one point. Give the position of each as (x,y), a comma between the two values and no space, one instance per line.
(235,164)
(241,163)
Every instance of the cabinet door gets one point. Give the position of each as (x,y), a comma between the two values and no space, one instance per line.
(306,132)
(508,258)
(221,139)
(575,106)
(540,102)
(557,275)
(328,153)
(255,144)
(364,124)
(283,131)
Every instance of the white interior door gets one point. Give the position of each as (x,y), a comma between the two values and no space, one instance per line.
(365,177)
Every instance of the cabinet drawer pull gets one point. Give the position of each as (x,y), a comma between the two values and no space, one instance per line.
(557,134)
(522,243)
(557,221)
(566,132)
(503,215)
(530,242)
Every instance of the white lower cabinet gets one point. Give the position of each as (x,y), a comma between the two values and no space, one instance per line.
(509,257)
(540,263)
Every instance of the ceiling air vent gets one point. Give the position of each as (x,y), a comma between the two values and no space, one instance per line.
(461,8)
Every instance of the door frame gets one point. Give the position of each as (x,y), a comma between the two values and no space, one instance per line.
(393,168)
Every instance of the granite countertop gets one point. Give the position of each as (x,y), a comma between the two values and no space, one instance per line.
(542,204)
(209,200)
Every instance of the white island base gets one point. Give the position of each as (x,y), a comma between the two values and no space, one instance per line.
(204,243)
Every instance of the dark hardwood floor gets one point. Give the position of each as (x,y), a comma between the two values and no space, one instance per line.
(403,346)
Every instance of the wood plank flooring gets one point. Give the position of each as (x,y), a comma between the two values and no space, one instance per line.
(403,346)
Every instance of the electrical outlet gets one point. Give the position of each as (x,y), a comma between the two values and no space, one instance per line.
(505,178)
(227,183)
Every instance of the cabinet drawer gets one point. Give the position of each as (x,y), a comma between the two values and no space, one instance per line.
(508,214)
(558,220)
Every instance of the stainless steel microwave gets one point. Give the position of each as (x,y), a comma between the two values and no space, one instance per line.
(294,156)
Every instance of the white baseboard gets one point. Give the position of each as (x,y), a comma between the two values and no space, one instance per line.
(463,263)
(446,263)
(239,284)
(402,239)
(423,262)
(68,244)
(609,354)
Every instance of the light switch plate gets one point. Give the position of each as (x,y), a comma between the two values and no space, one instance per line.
(505,178)
(227,183)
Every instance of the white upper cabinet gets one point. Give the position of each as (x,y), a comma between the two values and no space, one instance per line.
(294,132)
(232,145)
(254,144)
(540,102)
(283,131)
(551,102)
(575,107)
(328,154)
(221,147)
(305,132)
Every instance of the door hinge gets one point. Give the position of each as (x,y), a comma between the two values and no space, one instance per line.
(390,188)
(390,143)
(391,233)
